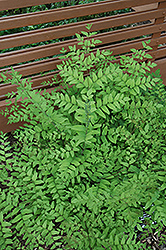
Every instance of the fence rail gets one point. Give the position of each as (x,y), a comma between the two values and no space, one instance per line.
(118,33)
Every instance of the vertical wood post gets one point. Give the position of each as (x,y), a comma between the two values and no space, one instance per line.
(159,20)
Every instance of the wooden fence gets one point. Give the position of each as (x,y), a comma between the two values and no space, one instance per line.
(124,31)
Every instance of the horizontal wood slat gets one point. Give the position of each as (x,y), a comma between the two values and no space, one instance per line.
(47,34)
(159,53)
(61,14)
(35,67)
(36,84)
(118,35)
(30,54)
(52,49)
(15,4)
(125,47)
(116,49)
(8,4)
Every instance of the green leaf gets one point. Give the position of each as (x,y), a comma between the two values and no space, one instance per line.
(100,112)
(148,204)
(68,106)
(116,240)
(78,36)
(81,103)
(49,111)
(143,87)
(89,136)
(1,217)
(66,162)
(17,218)
(8,241)
(80,138)
(94,77)
(139,228)
(105,109)
(81,112)
(112,139)
(27,216)
(148,85)
(125,89)
(111,106)
(8,234)
(59,219)
(148,56)
(19,225)
(105,130)
(34,177)
(81,119)
(80,128)
(104,79)
(74,108)
(146,128)
(29,173)
(130,83)
(136,89)
(73,100)
(84,33)
(144,44)
(99,82)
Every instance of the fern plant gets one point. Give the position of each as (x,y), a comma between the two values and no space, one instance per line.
(91,160)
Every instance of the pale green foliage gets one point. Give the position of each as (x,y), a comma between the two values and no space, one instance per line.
(83,174)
